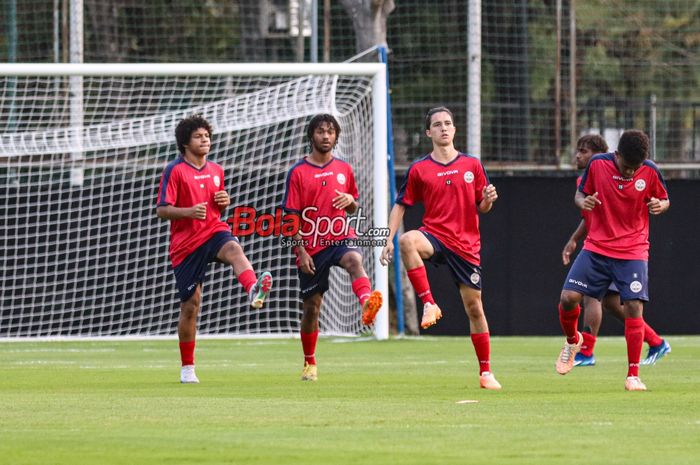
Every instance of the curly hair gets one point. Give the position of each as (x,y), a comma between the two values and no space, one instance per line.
(633,147)
(594,142)
(317,120)
(186,127)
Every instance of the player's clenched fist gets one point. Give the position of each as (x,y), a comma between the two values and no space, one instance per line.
(222,199)
(199,211)
(490,193)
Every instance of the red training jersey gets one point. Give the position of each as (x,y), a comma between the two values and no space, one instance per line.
(619,226)
(182,185)
(310,190)
(451,194)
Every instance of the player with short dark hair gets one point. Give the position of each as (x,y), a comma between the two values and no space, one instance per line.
(322,189)
(618,191)
(586,147)
(192,196)
(454,188)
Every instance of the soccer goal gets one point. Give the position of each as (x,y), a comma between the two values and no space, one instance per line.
(82,147)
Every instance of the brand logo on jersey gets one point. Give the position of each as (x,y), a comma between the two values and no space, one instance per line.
(635,286)
(640,184)
(469,177)
(447,173)
(323,175)
(202,176)
(340,178)
(217,181)
(621,178)
(474,278)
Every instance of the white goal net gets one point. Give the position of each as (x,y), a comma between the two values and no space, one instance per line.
(82,148)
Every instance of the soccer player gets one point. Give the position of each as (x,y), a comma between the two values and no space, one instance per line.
(321,188)
(454,189)
(618,191)
(192,197)
(586,147)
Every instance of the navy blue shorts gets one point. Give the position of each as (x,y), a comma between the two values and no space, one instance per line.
(317,283)
(193,269)
(592,273)
(463,272)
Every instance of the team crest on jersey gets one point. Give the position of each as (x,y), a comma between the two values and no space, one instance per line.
(469,178)
(635,286)
(640,184)
(217,181)
(341,178)
(475,278)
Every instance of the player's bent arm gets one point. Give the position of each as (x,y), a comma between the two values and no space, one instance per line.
(395,218)
(352,208)
(171,212)
(489,197)
(570,246)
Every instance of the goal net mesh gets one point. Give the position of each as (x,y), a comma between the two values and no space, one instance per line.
(83,253)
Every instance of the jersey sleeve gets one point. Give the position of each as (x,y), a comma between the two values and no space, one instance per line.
(292,194)
(352,186)
(659,189)
(481,181)
(410,192)
(167,192)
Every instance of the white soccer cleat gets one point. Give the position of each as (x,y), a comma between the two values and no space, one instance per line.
(187,375)
(488,381)
(633,383)
(567,356)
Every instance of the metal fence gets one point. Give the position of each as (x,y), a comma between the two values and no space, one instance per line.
(552,70)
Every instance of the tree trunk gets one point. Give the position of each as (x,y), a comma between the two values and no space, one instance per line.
(369,19)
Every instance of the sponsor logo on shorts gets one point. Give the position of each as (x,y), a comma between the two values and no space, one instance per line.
(341,178)
(635,286)
(469,177)
(578,283)
(475,278)
(640,184)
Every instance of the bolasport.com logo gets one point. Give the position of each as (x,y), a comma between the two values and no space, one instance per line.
(307,229)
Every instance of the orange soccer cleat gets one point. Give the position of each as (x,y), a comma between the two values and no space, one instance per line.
(431,313)
(371,307)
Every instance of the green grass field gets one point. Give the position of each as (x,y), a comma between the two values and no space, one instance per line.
(391,402)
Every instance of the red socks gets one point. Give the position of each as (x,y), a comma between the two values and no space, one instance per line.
(187,353)
(482,346)
(634,335)
(362,288)
(419,280)
(588,344)
(569,323)
(308,343)
(247,279)
(650,336)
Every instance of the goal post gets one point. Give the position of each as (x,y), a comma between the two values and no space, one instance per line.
(85,255)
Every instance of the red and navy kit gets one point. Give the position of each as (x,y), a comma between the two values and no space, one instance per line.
(309,185)
(619,226)
(451,194)
(182,185)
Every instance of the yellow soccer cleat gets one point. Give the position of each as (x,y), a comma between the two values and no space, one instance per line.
(310,372)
